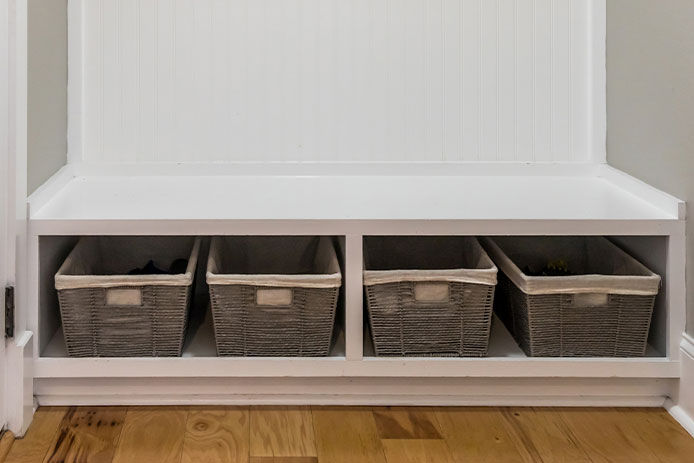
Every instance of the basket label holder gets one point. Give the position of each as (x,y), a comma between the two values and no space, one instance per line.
(590,300)
(124,297)
(274,297)
(431,292)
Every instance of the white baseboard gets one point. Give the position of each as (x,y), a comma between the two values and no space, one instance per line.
(681,406)
(20,382)
(681,416)
(597,392)
(345,400)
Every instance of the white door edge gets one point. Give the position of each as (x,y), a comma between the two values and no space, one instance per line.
(15,371)
(5,201)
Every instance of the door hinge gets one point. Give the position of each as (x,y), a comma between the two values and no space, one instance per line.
(9,312)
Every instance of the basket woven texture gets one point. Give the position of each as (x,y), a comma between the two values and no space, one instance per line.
(244,328)
(403,325)
(240,268)
(154,325)
(155,329)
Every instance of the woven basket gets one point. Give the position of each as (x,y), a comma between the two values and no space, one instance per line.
(603,311)
(429,296)
(273,296)
(107,313)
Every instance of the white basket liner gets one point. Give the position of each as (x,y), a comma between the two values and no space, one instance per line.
(114,256)
(628,276)
(483,272)
(282,254)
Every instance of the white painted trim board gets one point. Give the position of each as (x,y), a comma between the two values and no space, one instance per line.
(435,80)
(681,403)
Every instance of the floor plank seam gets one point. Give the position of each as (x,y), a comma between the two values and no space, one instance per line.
(6,441)
(380,441)
(185,435)
(120,433)
(55,433)
(451,452)
(516,428)
(315,432)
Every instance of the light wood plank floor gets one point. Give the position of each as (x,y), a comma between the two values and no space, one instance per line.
(349,435)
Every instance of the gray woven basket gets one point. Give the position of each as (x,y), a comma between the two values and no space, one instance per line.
(273,296)
(429,296)
(107,313)
(603,311)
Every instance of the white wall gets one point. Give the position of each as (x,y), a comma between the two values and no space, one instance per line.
(339,80)
(650,106)
(47,89)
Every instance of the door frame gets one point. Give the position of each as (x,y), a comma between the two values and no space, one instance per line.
(16,394)
(6,247)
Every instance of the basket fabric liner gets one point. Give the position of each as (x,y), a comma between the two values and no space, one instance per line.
(602,267)
(307,262)
(399,259)
(103,262)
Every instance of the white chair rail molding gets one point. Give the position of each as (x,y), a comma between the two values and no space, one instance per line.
(335,202)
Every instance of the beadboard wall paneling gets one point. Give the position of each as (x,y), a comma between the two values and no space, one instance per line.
(336,80)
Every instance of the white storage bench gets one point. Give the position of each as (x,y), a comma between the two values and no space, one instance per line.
(560,202)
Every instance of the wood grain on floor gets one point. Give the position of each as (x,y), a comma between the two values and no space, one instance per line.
(544,434)
(87,434)
(610,436)
(406,423)
(216,434)
(349,435)
(417,451)
(282,432)
(38,438)
(283,460)
(481,434)
(152,434)
(6,441)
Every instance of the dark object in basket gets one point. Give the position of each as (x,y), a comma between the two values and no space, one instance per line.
(177,267)
(557,268)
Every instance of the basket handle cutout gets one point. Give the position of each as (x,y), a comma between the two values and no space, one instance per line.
(274,297)
(124,297)
(590,300)
(431,292)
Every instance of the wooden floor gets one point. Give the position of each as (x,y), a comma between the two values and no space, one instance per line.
(351,435)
